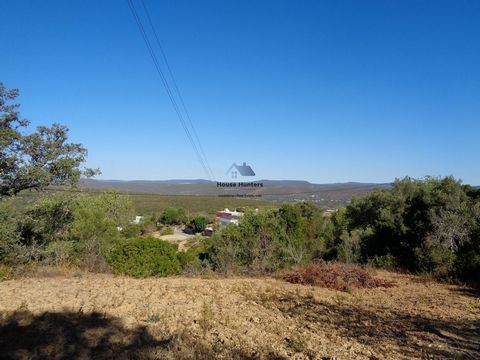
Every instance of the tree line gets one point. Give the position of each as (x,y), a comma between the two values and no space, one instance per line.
(423,226)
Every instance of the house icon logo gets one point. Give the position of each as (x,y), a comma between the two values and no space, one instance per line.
(242,170)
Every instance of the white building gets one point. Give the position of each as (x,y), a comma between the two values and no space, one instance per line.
(225,217)
(138,219)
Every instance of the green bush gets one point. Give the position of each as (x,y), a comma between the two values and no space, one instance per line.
(225,249)
(297,247)
(59,252)
(140,257)
(262,242)
(173,216)
(9,235)
(199,223)
(435,260)
(196,257)
(95,234)
(384,261)
(468,266)
(430,225)
(48,219)
(189,261)
(348,250)
(269,240)
(131,230)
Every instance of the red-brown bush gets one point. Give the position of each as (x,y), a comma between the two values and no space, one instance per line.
(335,276)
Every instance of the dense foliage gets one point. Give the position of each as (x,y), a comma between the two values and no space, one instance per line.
(141,257)
(269,240)
(36,160)
(64,228)
(173,216)
(426,225)
(199,223)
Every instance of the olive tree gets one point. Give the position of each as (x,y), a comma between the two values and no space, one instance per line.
(38,159)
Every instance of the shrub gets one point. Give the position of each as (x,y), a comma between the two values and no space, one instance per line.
(173,216)
(131,230)
(348,250)
(59,252)
(189,261)
(335,276)
(199,223)
(264,241)
(468,266)
(430,225)
(196,257)
(9,235)
(384,261)
(435,260)
(297,246)
(225,249)
(94,234)
(148,228)
(48,219)
(140,257)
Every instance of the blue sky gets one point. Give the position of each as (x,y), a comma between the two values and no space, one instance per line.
(325,91)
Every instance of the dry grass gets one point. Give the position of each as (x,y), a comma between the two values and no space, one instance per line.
(102,316)
(335,276)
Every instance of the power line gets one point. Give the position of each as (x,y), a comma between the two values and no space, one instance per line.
(166,86)
(177,90)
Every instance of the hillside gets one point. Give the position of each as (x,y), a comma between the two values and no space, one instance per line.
(83,315)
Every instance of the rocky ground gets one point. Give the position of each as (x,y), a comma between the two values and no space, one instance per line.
(73,314)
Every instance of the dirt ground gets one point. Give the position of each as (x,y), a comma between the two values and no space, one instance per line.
(82,315)
(178,237)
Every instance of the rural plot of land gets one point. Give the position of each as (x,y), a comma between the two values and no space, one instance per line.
(84,315)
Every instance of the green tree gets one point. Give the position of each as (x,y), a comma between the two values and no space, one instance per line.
(48,219)
(95,227)
(36,160)
(266,247)
(172,216)
(297,248)
(424,225)
(9,235)
(199,223)
(225,249)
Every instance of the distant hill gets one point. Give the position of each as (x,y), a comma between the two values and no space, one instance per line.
(327,195)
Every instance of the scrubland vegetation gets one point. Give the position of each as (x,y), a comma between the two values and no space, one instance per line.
(426,226)
(146,203)
(422,226)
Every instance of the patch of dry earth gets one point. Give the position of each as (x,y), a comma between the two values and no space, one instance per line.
(184,317)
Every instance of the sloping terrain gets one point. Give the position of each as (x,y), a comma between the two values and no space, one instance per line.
(84,315)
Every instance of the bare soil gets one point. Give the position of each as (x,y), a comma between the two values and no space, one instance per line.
(178,237)
(72,314)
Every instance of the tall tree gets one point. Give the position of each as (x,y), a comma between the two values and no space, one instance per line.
(36,160)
